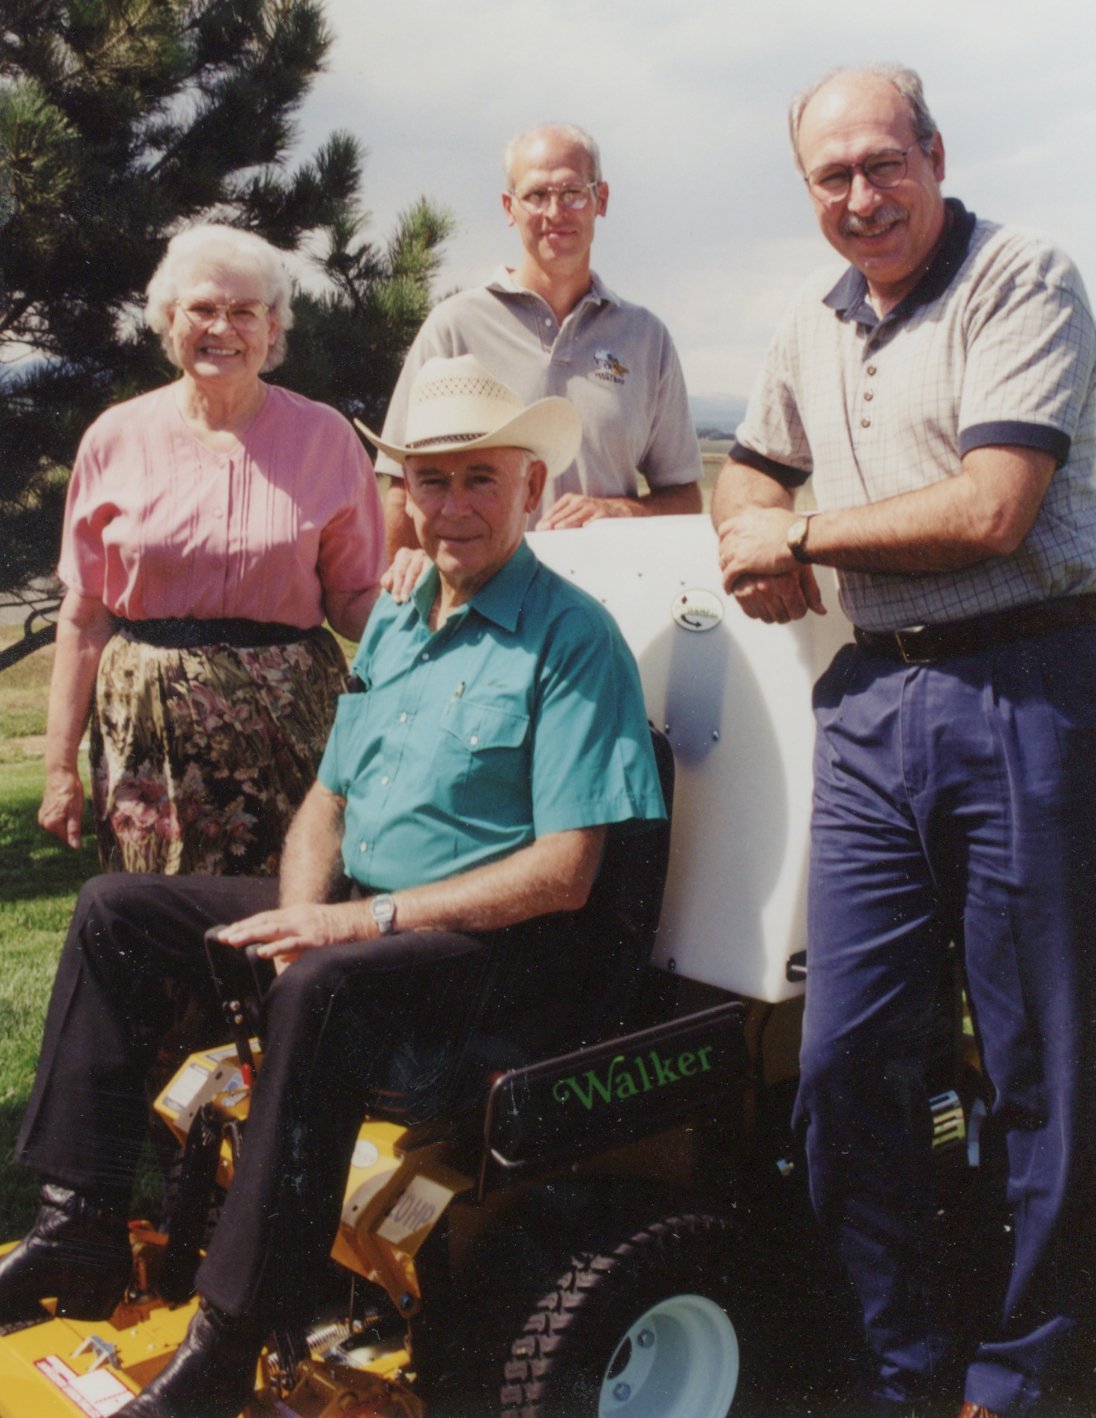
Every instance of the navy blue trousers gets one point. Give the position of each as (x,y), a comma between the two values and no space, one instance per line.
(955,803)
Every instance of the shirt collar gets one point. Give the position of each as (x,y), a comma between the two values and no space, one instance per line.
(599,293)
(499,600)
(849,297)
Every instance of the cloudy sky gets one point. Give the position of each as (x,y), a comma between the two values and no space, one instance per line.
(708,223)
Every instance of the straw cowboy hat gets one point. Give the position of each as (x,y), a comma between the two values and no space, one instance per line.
(456,404)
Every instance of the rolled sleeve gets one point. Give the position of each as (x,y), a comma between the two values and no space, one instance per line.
(772,437)
(1030,360)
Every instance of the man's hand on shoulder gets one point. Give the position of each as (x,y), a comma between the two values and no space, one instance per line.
(284,934)
(403,575)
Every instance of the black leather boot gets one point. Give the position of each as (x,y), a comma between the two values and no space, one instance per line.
(76,1250)
(212,1374)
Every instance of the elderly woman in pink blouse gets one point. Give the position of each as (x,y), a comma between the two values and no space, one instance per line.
(212,526)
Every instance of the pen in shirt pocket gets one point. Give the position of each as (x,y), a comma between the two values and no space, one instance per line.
(456,695)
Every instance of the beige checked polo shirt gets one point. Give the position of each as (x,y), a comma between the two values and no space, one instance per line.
(996,345)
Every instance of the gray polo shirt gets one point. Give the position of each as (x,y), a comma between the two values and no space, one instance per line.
(615,361)
(996,345)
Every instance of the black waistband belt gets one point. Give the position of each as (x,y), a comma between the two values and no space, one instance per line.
(925,644)
(185,632)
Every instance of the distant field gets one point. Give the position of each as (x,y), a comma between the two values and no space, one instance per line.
(713,454)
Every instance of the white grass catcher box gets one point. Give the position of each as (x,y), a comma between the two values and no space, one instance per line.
(734,697)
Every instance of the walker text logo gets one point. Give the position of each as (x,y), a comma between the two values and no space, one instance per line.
(608,367)
(623,1080)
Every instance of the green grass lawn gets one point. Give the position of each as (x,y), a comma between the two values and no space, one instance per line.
(39,879)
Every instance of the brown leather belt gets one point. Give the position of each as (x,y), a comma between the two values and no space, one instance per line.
(925,644)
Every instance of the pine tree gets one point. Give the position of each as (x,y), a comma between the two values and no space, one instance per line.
(121,120)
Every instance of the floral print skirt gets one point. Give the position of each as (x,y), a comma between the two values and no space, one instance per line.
(200,756)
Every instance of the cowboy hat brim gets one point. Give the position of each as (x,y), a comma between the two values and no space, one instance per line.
(550,429)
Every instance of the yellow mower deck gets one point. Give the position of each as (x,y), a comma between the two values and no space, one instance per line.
(63,1367)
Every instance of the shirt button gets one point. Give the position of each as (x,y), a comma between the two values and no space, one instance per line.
(426,654)
(363,846)
(871,368)
(217,512)
(868,395)
(385,781)
(865,423)
(548,321)
(403,718)
(474,740)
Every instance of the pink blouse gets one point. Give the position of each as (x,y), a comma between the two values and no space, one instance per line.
(157,524)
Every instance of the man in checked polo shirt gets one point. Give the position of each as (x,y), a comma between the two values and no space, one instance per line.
(939,391)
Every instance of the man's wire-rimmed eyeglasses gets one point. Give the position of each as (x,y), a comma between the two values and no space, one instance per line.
(833,181)
(571,199)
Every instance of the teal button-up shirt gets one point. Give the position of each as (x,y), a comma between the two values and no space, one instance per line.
(521,717)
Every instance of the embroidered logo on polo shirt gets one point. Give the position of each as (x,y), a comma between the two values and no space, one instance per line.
(608,367)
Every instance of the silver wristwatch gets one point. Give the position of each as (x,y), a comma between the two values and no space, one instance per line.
(797,538)
(384,912)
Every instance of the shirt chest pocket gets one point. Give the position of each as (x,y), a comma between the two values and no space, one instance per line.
(484,752)
(484,727)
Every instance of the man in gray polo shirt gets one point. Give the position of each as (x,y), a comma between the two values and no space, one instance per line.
(550,326)
(940,391)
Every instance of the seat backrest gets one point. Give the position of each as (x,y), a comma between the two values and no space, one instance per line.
(624,905)
(617,927)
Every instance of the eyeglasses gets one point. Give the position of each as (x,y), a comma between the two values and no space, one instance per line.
(883,170)
(245,319)
(571,199)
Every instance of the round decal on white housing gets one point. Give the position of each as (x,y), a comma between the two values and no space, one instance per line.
(365,1154)
(697,610)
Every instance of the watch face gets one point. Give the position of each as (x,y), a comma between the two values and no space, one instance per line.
(384,911)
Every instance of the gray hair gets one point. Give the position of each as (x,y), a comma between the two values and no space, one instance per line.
(906,81)
(571,131)
(211,247)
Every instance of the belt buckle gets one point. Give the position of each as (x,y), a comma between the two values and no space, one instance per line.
(912,653)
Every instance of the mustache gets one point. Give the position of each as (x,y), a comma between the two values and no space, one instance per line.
(868,226)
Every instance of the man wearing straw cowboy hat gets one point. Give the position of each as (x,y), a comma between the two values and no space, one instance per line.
(493,729)
(551,326)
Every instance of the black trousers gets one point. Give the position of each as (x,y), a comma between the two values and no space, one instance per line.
(340,1024)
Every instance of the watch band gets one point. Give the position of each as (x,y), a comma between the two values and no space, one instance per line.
(797,538)
(383,908)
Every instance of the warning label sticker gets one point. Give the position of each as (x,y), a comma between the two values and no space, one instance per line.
(418,1206)
(98,1394)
